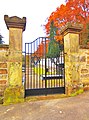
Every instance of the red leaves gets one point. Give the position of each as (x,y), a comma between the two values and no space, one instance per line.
(75,11)
(40,52)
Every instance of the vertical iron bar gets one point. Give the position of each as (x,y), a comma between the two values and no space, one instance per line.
(45,64)
(31,63)
(48,67)
(34,80)
(42,60)
(36,67)
(38,62)
(61,67)
(64,66)
(55,70)
(51,72)
(28,65)
(25,67)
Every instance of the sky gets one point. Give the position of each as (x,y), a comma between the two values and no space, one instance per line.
(35,11)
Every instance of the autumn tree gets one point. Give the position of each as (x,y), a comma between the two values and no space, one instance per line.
(42,48)
(74,11)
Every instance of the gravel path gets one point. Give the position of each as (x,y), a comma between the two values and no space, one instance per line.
(71,108)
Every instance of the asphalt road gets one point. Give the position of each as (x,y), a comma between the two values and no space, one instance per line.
(71,108)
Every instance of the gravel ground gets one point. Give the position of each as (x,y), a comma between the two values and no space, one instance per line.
(71,108)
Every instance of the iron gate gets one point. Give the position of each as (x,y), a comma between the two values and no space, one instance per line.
(43,74)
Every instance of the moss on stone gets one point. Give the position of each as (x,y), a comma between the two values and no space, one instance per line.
(13,95)
(77,92)
(1,100)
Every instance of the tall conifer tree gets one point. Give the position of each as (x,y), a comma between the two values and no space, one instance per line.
(53,47)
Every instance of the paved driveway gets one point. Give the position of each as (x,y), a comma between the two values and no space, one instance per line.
(72,108)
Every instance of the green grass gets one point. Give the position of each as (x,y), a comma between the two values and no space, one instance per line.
(41,71)
(52,82)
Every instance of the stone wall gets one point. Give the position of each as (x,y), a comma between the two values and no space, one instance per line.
(84,67)
(76,60)
(3,68)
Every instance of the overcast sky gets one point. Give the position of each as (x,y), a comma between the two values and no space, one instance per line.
(36,12)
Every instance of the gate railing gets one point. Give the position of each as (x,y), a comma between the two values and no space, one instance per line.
(41,71)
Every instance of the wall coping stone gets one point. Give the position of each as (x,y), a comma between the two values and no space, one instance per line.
(4,46)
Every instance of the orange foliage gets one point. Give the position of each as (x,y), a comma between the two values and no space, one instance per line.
(42,49)
(59,38)
(75,11)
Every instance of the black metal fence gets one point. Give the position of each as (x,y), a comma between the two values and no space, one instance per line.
(43,74)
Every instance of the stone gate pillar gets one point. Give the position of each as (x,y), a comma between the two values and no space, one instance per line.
(71,51)
(15,91)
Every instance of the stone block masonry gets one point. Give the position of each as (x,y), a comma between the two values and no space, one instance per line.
(73,82)
(76,60)
(84,67)
(3,68)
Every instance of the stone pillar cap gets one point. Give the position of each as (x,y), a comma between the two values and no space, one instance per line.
(71,28)
(15,22)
